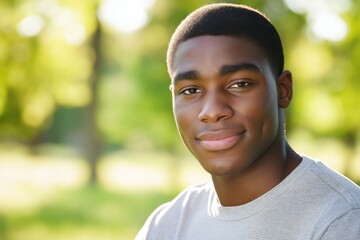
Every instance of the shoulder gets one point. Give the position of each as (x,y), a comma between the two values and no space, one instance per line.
(335,199)
(346,226)
(166,217)
(336,185)
(188,197)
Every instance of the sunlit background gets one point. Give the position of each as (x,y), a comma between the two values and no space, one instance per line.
(88,146)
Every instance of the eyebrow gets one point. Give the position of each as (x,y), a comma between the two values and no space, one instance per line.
(228,69)
(188,75)
(224,70)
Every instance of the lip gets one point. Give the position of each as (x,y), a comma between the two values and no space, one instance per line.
(219,140)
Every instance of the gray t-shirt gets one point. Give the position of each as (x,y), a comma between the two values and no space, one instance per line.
(313,202)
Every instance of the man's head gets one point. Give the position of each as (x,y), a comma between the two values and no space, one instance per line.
(230,20)
(228,88)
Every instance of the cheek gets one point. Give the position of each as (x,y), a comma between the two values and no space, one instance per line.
(183,121)
(270,117)
(261,113)
(184,113)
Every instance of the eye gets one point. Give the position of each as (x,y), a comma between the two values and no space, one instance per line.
(190,91)
(241,84)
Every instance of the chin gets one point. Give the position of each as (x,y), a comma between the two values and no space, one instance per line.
(224,166)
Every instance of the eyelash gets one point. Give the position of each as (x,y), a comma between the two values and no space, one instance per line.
(189,91)
(242,84)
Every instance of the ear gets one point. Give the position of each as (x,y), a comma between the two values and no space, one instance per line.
(285,92)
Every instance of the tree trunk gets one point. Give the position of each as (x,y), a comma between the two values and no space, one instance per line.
(92,138)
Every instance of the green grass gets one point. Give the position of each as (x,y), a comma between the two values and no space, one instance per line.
(89,213)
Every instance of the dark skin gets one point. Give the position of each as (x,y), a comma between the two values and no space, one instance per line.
(229,109)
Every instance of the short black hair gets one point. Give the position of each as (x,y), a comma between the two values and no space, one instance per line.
(230,20)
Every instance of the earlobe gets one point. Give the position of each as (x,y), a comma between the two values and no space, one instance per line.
(285,91)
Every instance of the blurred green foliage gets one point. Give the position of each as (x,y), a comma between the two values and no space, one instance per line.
(40,71)
(49,70)
(47,56)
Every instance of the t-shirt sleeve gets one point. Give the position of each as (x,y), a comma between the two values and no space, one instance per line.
(145,231)
(346,227)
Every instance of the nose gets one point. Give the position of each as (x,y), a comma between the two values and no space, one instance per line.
(216,107)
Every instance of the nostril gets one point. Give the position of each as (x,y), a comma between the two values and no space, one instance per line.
(222,117)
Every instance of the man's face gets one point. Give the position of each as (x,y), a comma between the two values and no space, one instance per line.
(225,102)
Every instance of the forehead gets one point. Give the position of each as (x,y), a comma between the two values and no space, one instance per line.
(209,53)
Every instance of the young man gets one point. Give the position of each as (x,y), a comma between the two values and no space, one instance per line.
(229,93)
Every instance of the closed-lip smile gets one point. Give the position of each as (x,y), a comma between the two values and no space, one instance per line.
(219,140)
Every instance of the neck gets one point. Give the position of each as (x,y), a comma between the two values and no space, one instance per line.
(263,175)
